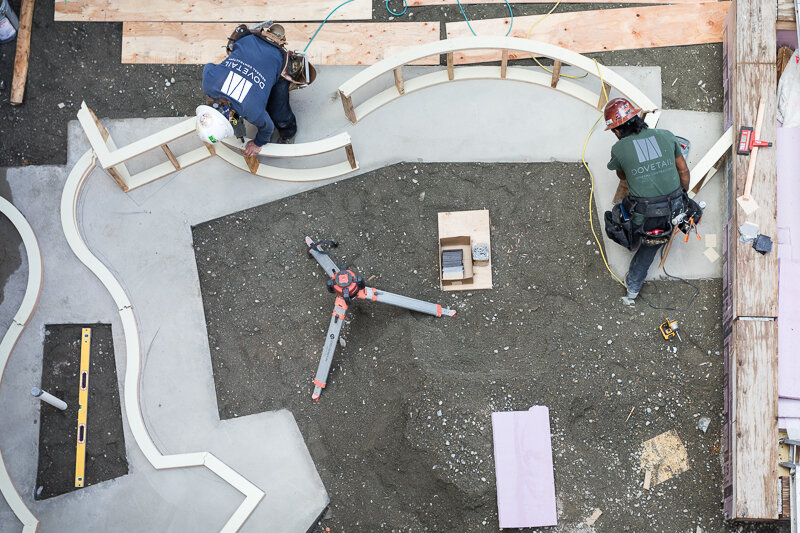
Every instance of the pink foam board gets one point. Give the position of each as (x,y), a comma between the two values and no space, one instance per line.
(523,459)
(788,154)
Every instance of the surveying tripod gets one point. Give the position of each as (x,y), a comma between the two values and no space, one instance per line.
(348,287)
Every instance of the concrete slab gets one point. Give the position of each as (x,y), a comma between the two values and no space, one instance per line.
(144,237)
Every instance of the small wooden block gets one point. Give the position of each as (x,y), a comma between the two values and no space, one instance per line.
(647,478)
(711,254)
(748,205)
(592,519)
(711,240)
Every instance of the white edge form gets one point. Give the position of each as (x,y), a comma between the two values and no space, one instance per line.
(29,302)
(538,48)
(133,356)
(705,168)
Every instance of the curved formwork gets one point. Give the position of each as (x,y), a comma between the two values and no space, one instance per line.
(29,302)
(133,356)
(561,56)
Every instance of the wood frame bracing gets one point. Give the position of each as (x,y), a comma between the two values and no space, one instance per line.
(113,159)
(561,56)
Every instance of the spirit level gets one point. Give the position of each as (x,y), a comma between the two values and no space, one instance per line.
(83,401)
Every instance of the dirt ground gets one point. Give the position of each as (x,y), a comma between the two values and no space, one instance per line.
(402,433)
(105,441)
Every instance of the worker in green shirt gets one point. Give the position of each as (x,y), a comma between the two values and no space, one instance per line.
(651,198)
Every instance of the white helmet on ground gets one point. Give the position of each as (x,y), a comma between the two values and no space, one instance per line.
(212,126)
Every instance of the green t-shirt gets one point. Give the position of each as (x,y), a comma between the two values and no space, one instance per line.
(648,160)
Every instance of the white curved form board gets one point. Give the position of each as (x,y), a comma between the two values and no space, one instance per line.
(29,302)
(449,46)
(133,356)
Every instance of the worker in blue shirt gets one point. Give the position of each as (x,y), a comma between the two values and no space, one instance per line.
(249,83)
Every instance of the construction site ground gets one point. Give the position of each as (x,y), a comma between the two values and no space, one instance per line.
(402,435)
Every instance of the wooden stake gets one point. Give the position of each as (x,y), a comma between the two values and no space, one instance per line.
(23,52)
(171,157)
(211,149)
(601,103)
(252,163)
(450,73)
(556,73)
(504,63)
(351,157)
(347,103)
(398,80)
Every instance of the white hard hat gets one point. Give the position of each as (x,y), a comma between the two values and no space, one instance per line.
(212,126)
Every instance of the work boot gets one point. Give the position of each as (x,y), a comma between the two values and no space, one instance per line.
(286,140)
(630,298)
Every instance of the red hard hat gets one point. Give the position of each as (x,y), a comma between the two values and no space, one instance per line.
(619,111)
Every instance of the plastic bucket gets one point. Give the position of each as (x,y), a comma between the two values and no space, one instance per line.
(9,23)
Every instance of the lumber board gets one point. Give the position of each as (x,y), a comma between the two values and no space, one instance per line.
(710,162)
(755,276)
(604,30)
(785,11)
(416,3)
(753,419)
(336,44)
(23,52)
(752,35)
(207,10)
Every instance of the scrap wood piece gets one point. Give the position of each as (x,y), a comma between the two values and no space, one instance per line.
(362,43)
(523,458)
(710,162)
(23,52)
(648,478)
(592,519)
(604,30)
(665,456)
(207,10)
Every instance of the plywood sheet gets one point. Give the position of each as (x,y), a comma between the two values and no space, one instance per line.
(475,224)
(604,30)
(754,419)
(336,44)
(755,276)
(207,10)
(754,38)
(785,10)
(523,459)
(664,456)
(414,3)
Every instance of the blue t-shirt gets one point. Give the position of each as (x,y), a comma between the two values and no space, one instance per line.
(246,78)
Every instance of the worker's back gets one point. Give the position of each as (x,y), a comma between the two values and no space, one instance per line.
(648,160)
(245,77)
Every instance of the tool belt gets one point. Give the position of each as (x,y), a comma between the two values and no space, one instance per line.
(297,70)
(650,221)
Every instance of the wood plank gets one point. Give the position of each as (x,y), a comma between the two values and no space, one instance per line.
(785,10)
(755,276)
(754,419)
(415,3)
(753,40)
(556,74)
(336,44)
(207,10)
(604,30)
(23,52)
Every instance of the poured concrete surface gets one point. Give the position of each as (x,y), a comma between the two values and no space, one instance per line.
(144,237)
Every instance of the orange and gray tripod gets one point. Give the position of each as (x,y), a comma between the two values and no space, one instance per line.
(348,287)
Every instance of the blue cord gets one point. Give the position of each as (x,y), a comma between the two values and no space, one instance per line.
(326,20)
(403,12)
(470,25)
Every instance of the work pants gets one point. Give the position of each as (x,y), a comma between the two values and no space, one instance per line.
(280,111)
(637,271)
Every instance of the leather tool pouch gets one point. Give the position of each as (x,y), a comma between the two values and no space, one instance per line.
(298,70)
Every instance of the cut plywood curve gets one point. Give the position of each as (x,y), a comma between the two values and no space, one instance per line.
(336,44)
(603,30)
(23,315)
(133,356)
(498,45)
(208,10)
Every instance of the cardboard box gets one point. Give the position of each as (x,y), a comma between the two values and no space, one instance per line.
(463,243)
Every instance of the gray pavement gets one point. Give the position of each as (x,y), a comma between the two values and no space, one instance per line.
(145,239)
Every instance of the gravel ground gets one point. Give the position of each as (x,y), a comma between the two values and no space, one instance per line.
(402,434)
